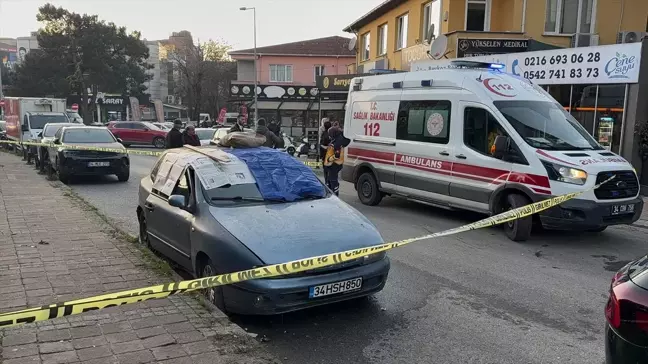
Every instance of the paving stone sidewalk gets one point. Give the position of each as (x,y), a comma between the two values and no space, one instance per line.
(643,220)
(52,249)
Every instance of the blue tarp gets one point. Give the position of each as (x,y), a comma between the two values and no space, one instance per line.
(279,175)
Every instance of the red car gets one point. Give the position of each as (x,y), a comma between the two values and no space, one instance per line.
(135,132)
(626,332)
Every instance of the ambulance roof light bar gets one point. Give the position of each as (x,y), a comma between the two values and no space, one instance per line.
(477,65)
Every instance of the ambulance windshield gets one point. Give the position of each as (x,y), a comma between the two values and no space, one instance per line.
(546,125)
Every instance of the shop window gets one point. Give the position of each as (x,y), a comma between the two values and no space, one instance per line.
(480,130)
(478,15)
(382,39)
(562,16)
(401,31)
(424,121)
(281,73)
(431,15)
(365,43)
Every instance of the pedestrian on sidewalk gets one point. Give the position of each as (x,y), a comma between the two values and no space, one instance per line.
(189,136)
(174,136)
(335,158)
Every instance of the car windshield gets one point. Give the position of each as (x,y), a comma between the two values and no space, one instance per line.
(50,130)
(151,126)
(205,134)
(88,135)
(546,125)
(39,121)
(73,115)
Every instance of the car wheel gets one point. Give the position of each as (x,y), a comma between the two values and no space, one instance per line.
(158,142)
(367,188)
(62,175)
(143,237)
(213,294)
(124,174)
(519,229)
(291,151)
(598,229)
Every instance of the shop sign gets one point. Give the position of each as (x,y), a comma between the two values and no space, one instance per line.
(336,82)
(616,63)
(269,92)
(483,47)
(412,54)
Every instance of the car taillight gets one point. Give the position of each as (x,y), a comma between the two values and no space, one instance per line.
(613,311)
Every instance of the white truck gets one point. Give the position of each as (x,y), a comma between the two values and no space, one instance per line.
(26,117)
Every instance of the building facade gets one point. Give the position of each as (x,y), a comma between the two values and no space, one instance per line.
(397,31)
(286,75)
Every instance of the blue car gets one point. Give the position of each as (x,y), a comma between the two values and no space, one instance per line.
(215,211)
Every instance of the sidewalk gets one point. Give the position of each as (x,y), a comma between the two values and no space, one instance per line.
(643,220)
(52,250)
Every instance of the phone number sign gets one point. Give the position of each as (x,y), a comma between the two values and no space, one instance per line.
(588,65)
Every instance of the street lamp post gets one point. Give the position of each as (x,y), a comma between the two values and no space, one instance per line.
(256,108)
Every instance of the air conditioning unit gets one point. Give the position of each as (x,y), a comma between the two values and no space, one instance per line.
(630,37)
(584,40)
(170,99)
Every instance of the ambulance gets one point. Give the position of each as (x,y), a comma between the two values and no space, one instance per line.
(472,137)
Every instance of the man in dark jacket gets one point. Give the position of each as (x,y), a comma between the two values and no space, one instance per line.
(334,158)
(274,127)
(189,136)
(325,140)
(174,136)
(272,140)
(238,127)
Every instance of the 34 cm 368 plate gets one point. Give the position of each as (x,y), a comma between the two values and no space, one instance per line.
(336,287)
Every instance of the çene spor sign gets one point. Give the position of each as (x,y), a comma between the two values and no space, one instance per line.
(616,63)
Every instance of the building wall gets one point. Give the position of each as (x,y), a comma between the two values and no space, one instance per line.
(611,17)
(303,67)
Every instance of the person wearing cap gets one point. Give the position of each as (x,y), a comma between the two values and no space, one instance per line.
(174,136)
(272,140)
(189,136)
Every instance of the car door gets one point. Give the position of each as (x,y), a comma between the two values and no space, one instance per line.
(169,226)
(122,131)
(52,151)
(476,172)
(141,133)
(424,162)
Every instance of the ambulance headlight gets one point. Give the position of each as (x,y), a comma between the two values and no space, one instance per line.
(560,173)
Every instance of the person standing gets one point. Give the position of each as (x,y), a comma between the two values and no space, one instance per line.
(325,140)
(272,140)
(174,136)
(274,127)
(239,126)
(189,136)
(334,158)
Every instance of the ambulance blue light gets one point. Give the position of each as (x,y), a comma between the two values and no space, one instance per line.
(497,66)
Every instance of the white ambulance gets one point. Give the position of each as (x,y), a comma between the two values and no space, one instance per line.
(472,137)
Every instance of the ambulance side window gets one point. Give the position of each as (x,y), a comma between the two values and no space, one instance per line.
(424,121)
(480,130)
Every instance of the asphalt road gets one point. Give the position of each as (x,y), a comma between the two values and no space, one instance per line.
(476,297)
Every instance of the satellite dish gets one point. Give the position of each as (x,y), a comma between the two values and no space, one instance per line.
(430,34)
(438,47)
(352,43)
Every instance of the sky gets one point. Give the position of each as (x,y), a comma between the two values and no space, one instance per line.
(278,21)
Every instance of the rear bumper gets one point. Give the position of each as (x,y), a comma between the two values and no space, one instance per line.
(78,166)
(275,296)
(619,351)
(585,214)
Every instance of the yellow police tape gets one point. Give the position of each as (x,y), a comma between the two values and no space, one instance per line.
(111,150)
(75,307)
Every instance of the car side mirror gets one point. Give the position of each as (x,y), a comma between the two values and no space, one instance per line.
(120,141)
(57,141)
(501,147)
(178,201)
(40,135)
(25,127)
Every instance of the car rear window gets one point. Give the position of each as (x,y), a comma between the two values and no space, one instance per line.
(205,134)
(89,135)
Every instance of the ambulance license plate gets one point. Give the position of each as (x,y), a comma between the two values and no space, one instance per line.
(335,288)
(98,164)
(623,209)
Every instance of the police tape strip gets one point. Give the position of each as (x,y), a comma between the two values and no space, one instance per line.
(112,150)
(75,307)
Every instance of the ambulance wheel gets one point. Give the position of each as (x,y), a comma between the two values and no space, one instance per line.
(520,229)
(367,188)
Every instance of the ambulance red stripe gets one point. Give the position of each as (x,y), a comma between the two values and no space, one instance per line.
(466,171)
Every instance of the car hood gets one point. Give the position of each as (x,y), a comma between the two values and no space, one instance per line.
(114,145)
(592,161)
(278,233)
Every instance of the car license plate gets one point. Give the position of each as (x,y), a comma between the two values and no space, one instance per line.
(98,164)
(335,288)
(623,209)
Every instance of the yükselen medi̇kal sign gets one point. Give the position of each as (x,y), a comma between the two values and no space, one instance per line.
(617,63)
